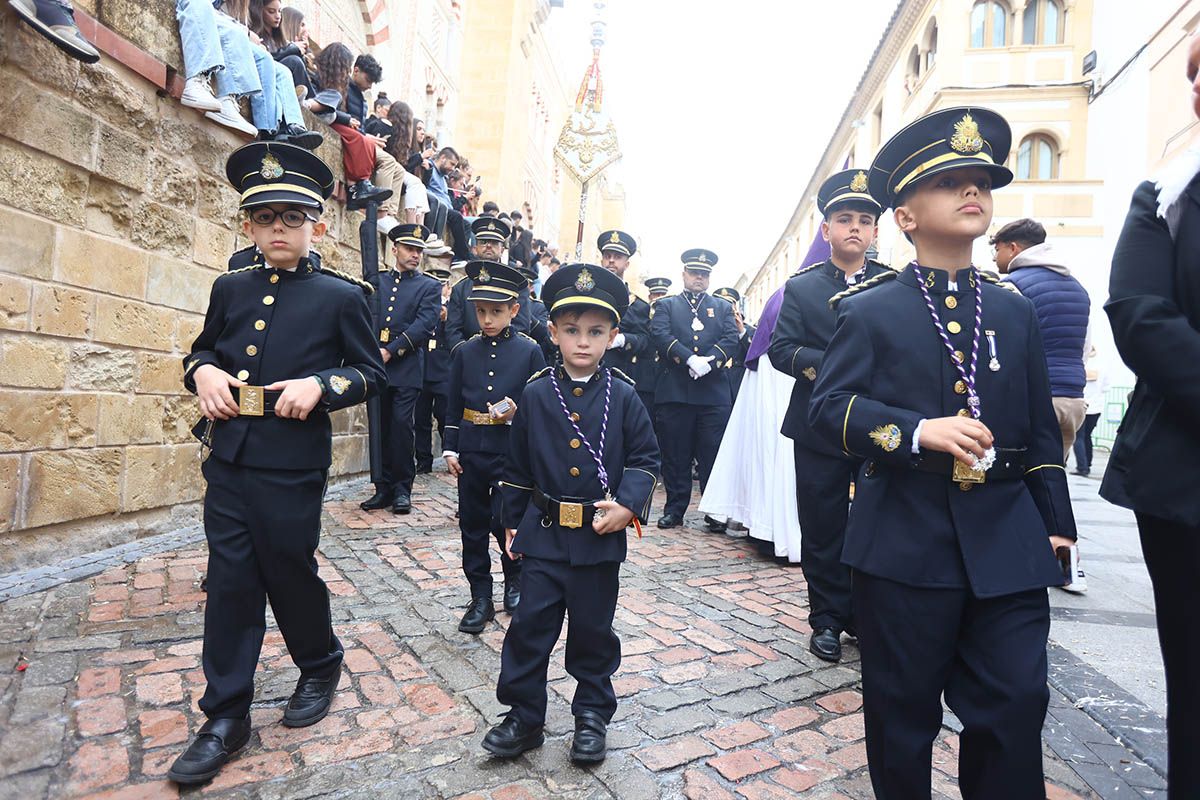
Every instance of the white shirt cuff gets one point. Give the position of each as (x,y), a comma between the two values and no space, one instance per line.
(449,454)
(916,443)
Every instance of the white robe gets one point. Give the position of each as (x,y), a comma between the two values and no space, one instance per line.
(753,480)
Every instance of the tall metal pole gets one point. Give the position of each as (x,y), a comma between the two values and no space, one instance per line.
(368,240)
(583,200)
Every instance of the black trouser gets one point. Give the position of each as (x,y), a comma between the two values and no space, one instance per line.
(1083,443)
(588,595)
(431,405)
(478,516)
(689,433)
(396,409)
(987,656)
(295,65)
(823,505)
(1172,553)
(263,527)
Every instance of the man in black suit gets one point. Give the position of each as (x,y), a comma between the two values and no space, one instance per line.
(616,248)
(823,471)
(1154,308)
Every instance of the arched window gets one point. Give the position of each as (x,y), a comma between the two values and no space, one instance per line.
(1037,158)
(913,71)
(931,44)
(989,24)
(1042,22)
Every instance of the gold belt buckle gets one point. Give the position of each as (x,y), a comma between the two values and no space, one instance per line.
(570,515)
(965,474)
(250,401)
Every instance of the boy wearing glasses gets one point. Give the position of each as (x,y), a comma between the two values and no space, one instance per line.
(284,343)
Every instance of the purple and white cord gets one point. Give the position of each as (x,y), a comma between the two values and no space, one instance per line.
(601,471)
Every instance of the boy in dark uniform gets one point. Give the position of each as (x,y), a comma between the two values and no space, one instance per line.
(633,340)
(491,236)
(411,303)
(284,343)
(487,375)
(581,468)
(936,376)
(823,471)
(431,403)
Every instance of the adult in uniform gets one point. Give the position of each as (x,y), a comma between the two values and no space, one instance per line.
(696,336)
(648,367)
(962,498)
(431,403)
(633,340)
(737,366)
(410,307)
(1154,308)
(283,344)
(823,471)
(491,235)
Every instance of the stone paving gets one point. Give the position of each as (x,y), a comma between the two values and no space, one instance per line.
(719,696)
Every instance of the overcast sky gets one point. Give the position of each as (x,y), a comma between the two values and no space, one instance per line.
(722,110)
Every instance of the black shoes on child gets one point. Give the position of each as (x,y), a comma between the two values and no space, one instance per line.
(217,740)
(512,737)
(481,611)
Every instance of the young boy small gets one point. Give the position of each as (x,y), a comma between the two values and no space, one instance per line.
(284,343)
(583,463)
(487,375)
(936,376)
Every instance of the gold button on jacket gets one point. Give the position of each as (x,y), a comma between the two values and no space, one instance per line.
(951,301)
(953,326)
(960,387)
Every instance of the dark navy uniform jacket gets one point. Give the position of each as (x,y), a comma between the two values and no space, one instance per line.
(647,366)
(410,304)
(885,369)
(635,324)
(462,324)
(801,335)
(671,329)
(437,359)
(265,325)
(484,370)
(545,452)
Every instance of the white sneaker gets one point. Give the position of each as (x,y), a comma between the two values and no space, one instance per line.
(1076,582)
(198,94)
(231,117)
(386,223)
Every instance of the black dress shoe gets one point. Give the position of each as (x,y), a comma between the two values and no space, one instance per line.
(670,521)
(714,525)
(216,741)
(589,744)
(512,595)
(512,737)
(381,499)
(365,192)
(311,700)
(481,611)
(299,136)
(826,644)
(403,504)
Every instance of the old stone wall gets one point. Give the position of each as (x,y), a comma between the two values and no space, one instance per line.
(114,220)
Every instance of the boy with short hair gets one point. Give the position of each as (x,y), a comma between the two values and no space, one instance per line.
(487,375)
(936,376)
(284,343)
(582,467)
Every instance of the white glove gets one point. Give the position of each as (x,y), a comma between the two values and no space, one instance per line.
(617,342)
(700,365)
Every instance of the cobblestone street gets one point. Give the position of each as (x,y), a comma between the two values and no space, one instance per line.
(719,696)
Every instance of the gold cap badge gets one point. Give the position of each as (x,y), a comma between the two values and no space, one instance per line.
(859,182)
(966,138)
(616,237)
(491,226)
(271,169)
(484,275)
(702,258)
(585,282)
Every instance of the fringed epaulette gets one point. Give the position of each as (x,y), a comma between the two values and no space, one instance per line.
(464,341)
(527,336)
(622,376)
(991,277)
(241,269)
(541,373)
(809,268)
(348,278)
(882,277)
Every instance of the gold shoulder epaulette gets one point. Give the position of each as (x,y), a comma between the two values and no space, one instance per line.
(882,277)
(809,268)
(348,278)
(991,277)
(541,373)
(240,269)
(623,376)
(527,336)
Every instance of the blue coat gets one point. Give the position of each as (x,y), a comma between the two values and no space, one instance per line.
(885,370)
(462,324)
(485,370)
(410,303)
(1063,309)
(545,452)
(675,339)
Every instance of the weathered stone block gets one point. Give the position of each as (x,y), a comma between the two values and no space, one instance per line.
(26,245)
(163,228)
(110,208)
(36,182)
(46,121)
(123,98)
(207,144)
(122,158)
(130,419)
(36,56)
(350,455)
(97,368)
(213,245)
(159,374)
(180,413)
(134,324)
(61,311)
(161,475)
(178,284)
(33,363)
(10,481)
(150,24)
(217,201)
(71,484)
(98,263)
(187,328)
(46,420)
(174,182)
(15,300)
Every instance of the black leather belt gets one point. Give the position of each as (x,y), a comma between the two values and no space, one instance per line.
(569,512)
(1009,465)
(255,401)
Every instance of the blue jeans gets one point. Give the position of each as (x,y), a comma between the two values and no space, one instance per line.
(212,42)
(278,98)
